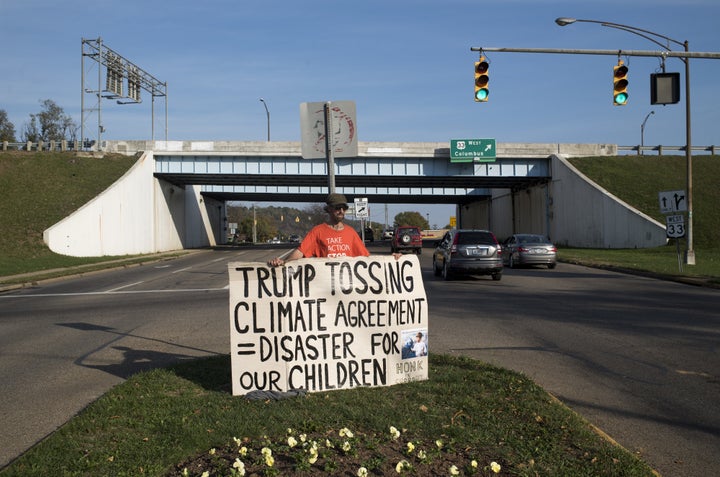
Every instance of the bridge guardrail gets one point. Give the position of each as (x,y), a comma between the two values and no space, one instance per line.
(46,146)
(89,145)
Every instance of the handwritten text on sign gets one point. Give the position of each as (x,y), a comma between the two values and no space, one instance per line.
(327,323)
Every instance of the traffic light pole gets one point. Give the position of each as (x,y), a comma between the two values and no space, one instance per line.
(661,54)
(684,56)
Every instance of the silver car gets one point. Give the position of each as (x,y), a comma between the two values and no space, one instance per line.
(471,252)
(529,249)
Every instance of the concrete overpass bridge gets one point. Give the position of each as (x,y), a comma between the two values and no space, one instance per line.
(175,196)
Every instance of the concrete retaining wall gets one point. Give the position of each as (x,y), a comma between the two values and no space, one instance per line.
(138,214)
(572,210)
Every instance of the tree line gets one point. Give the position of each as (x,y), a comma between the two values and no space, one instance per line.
(282,222)
(50,124)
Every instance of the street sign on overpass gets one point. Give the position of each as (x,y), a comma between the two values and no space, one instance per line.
(472,150)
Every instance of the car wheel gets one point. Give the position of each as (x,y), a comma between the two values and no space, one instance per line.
(405,239)
(436,270)
(418,251)
(511,262)
(496,276)
(446,271)
(552,265)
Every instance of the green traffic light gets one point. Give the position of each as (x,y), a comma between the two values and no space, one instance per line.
(481,94)
(621,98)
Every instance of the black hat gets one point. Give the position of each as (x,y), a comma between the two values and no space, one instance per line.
(336,199)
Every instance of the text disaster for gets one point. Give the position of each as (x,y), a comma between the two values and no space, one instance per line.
(322,324)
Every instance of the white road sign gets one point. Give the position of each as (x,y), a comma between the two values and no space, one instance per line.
(344,139)
(675,226)
(672,201)
(361,208)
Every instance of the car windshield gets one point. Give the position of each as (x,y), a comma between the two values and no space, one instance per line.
(409,231)
(473,238)
(532,239)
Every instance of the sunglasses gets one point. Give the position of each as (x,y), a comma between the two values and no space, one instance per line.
(339,207)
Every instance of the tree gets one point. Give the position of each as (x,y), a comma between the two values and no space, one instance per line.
(50,124)
(413,219)
(7,129)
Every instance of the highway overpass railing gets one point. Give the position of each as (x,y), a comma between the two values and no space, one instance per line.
(659,150)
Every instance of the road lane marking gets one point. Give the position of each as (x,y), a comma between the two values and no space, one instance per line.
(125,292)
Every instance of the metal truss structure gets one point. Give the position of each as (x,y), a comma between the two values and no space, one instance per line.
(119,72)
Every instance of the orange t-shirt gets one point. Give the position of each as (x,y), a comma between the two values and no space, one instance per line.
(324,241)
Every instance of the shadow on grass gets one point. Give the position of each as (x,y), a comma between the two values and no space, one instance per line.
(212,374)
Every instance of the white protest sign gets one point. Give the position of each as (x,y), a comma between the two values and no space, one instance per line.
(327,323)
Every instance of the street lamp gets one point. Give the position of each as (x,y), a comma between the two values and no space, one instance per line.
(268,118)
(642,132)
(650,35)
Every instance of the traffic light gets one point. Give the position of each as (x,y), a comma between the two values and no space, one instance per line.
(481,80)
(620,84)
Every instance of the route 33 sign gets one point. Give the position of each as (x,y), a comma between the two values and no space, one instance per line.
(675,226)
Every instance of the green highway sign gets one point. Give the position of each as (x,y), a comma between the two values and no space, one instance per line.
(472,150)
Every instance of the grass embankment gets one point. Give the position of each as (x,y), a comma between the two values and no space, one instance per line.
(637,180)
(164,421)
(39,190)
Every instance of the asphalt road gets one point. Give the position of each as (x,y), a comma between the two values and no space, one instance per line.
(637,357)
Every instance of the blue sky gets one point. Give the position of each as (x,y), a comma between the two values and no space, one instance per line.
(406,64)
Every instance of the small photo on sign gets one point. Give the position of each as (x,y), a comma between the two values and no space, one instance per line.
(415,344)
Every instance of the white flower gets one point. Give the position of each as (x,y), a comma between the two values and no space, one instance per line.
(402,465)
(292,442)
(422,455)
(240,466)
(267,453)
(329,444)
(410,447)
(205,474)
(474,464)
(346,446)
(454,470)
(439,444)
(237,441)
(345,432)
(394,433)
(185,472)
(212,451)
(303,437)
(362,472)
(243,451)
(495,467)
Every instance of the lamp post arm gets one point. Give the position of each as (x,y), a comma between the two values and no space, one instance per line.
(635,30)
(630,30)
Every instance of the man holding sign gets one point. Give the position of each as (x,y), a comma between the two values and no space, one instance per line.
(338,321)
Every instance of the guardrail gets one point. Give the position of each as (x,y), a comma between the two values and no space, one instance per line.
(46,146)
(89,145)
(640,150)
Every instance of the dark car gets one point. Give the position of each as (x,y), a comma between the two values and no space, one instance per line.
(469,252)
(369,234)
(406,238)
(529,249)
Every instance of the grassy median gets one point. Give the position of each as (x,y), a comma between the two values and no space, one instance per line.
(468,418)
